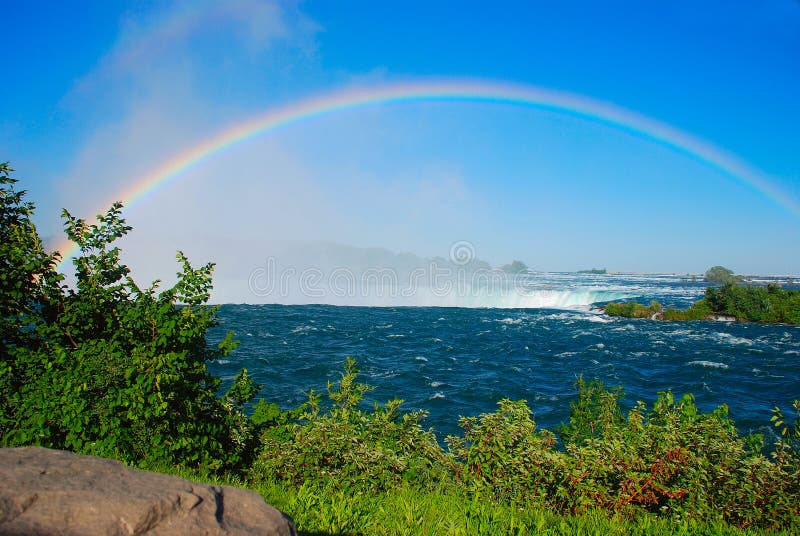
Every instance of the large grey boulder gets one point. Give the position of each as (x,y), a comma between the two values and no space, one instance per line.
(48,492)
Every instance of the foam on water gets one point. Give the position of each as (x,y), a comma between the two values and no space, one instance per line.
(512,321)
(554,299)
(598,318)
(731,339)
(708,364)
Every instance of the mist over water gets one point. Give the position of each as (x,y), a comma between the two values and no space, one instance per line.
(301,273)
(454,361)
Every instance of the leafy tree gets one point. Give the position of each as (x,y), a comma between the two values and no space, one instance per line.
(109,368)
(516,267)
(28,284)
(719,274)
(755,304)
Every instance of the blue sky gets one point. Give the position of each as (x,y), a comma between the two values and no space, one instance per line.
(96,95)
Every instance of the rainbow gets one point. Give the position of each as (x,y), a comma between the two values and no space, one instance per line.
(452,90)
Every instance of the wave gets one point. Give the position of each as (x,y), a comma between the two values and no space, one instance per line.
(708,364)
(733,339)
(302,329)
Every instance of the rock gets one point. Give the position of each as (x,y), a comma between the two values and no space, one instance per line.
(44,492)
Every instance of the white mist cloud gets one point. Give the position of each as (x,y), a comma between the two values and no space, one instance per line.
(171,81)
(159,91)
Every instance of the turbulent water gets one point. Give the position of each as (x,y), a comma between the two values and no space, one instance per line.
(455,361)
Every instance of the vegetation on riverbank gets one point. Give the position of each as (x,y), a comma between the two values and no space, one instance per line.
(112,369)
(769,304)
(665,469)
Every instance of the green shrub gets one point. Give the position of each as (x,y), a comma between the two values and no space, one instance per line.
(787,452)
(755,304)
(670,461)
(699,310)
(674,460)
(503,454)
(720,275)
(108,368)
(359,449)
(594,414)
(632,309)
(28,284)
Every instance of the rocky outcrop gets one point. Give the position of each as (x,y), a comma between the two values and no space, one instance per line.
(46,492)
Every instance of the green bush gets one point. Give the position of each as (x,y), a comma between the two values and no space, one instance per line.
(108,368)
(632,309)
(755,304)
(674,460)
(28,284)
(669,461)
(503,454)
(593,414)
(720,275)
(699,310)
(516,267)
(344,443)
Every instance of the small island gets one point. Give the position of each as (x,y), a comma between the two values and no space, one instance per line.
(598,271)
(516,267)
(766,304)
(721,275)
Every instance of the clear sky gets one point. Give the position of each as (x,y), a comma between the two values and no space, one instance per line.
(97,94)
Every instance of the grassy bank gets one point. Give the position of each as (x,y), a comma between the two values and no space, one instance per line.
(319,510)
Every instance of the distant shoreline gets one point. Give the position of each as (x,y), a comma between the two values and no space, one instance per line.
(700,275)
